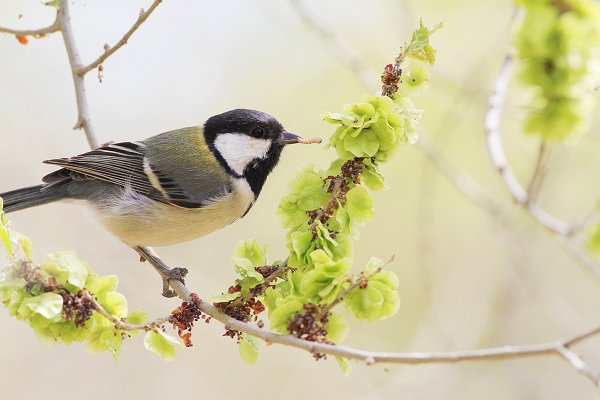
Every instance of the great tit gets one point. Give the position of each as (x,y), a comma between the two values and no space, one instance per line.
(172,187)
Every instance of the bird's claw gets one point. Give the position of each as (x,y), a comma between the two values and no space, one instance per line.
(177,274)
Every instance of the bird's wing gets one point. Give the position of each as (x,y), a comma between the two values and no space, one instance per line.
(123,164)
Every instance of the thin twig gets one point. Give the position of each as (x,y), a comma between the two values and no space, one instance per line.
(108,51)
(580,366)
(337,185)
(535,183)
(259,289)
(83,118)
(362,279)
(32,32)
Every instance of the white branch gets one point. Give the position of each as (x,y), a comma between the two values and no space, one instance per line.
(31,32)
(83,119)
(519,194)
(560,347)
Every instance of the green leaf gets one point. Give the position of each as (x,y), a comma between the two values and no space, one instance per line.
(344,365)
(417,75)
(251,251)
(593,239)
(379,299)
(337,327)
(285,309)
(48,305)
(103,338)
(161,344)
(67,268)
(300,245)
(4,231)
(115,303)
(25,245)
(359,205)
(249,346)
(224,297)
(371,175)
(324,282)
(137,318)
(420,41)
(99,285)
(248,256)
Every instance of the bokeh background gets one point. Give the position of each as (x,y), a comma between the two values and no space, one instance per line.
(469,278)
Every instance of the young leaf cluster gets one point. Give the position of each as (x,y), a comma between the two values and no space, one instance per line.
(323,212)
(559,47)
(52,299)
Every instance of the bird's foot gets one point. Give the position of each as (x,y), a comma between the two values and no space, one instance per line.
(175,274)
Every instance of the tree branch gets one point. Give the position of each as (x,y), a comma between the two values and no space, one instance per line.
(580,366)
(518,193)
(560,347)
(32,32)
(535,183)
(83,118)
(108,51)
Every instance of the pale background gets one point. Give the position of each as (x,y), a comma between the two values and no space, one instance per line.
(468,280)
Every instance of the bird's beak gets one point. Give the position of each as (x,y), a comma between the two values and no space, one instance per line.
(289,138)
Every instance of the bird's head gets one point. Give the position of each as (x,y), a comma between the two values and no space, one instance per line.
(248,143)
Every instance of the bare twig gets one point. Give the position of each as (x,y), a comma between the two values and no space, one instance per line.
(83,118)
(580,366)
(337,185)
(108,51)
(31,32)
(62,23)
(535,183)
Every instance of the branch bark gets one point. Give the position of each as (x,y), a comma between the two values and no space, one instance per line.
(31,32)
(560,348)
(83,115)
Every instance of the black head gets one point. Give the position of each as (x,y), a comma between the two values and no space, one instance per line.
(247,143)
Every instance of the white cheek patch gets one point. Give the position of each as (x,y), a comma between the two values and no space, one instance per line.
(238,149)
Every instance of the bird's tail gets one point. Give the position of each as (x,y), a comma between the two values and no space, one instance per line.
(28,197)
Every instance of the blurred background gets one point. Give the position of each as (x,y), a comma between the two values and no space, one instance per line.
(469,277)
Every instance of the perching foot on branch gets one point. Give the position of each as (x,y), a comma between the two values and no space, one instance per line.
(175,274)
(167,274)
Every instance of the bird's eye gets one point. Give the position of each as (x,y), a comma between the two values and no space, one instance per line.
(258,132)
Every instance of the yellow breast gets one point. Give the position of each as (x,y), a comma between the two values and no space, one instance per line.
(140,221)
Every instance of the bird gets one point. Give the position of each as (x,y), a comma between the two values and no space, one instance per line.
(173,187)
